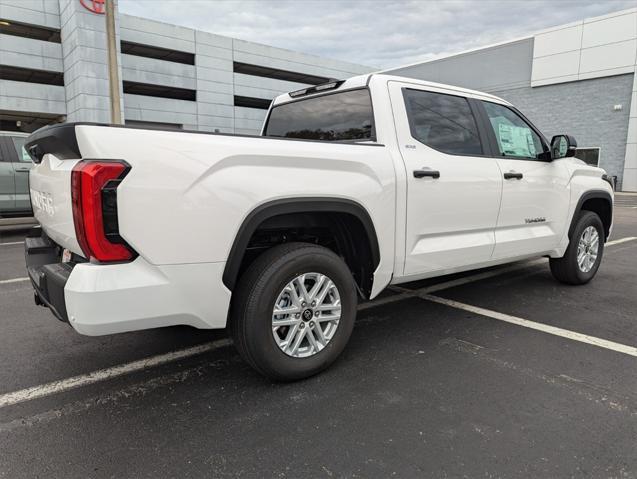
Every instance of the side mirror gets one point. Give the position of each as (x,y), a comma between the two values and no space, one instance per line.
(563,146)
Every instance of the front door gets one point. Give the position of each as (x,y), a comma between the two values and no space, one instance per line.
(453,186)
(535,194)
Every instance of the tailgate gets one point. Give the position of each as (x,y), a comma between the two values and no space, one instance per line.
(50,188)
(55,151)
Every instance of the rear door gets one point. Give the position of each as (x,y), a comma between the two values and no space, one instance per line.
(7,181)
(535,193)
(453,185)
(22,164)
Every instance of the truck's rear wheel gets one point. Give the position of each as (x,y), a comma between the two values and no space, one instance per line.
(293,311)
(584,253)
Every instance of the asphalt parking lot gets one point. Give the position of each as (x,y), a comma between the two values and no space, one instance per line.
(497,373)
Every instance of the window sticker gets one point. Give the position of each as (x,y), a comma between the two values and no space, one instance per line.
(516,141)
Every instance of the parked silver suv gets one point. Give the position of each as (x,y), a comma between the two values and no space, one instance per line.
(15,164)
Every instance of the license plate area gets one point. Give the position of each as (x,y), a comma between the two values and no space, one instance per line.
(40,250)
(47,272)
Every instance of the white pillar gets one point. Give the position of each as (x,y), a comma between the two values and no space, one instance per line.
(84,48)
(629,182)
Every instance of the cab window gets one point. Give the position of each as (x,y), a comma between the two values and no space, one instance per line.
(341,116)
(514,136)
(443,122)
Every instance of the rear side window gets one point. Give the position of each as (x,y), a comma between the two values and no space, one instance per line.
(443,122)
(339,116)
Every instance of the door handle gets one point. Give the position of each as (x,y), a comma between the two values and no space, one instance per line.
(22,169)
(426,173)
(513,175)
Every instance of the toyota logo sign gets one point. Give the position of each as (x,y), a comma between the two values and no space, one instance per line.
(95,6)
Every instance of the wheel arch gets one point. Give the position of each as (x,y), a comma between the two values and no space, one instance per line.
(292,206)
(597,201)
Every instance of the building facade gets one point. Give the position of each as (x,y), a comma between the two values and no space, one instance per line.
(577,78)
(53,67)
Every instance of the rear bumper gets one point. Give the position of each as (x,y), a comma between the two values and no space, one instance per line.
(99,299)
(115,298)
(47,274)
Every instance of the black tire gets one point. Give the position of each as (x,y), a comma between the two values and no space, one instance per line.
(566,269)
(253,302)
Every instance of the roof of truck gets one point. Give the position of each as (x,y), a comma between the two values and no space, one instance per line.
(364,80)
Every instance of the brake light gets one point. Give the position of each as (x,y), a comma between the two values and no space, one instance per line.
(93,191)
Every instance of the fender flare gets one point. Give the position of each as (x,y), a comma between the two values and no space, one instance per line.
(287,206)
(587,195)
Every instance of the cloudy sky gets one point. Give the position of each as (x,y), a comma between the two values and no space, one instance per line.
(378,33)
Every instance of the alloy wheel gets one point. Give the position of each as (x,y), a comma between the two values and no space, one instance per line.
(587,249)
(306,315)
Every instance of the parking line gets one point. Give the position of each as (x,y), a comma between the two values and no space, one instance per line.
(12,243)
(14,280)
(545,328)
(621,240)
(403,294)
(490,274)
(477,277)
(62,385)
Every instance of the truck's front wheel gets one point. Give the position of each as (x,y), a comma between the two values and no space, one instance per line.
(584,253)
(293,311)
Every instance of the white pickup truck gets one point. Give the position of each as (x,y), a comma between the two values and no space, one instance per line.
(353,185)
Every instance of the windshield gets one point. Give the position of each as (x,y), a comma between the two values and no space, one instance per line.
(338,116)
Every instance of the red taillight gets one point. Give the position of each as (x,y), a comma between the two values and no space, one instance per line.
(88,181)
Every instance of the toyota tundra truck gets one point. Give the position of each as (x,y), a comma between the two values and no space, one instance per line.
(352,186)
